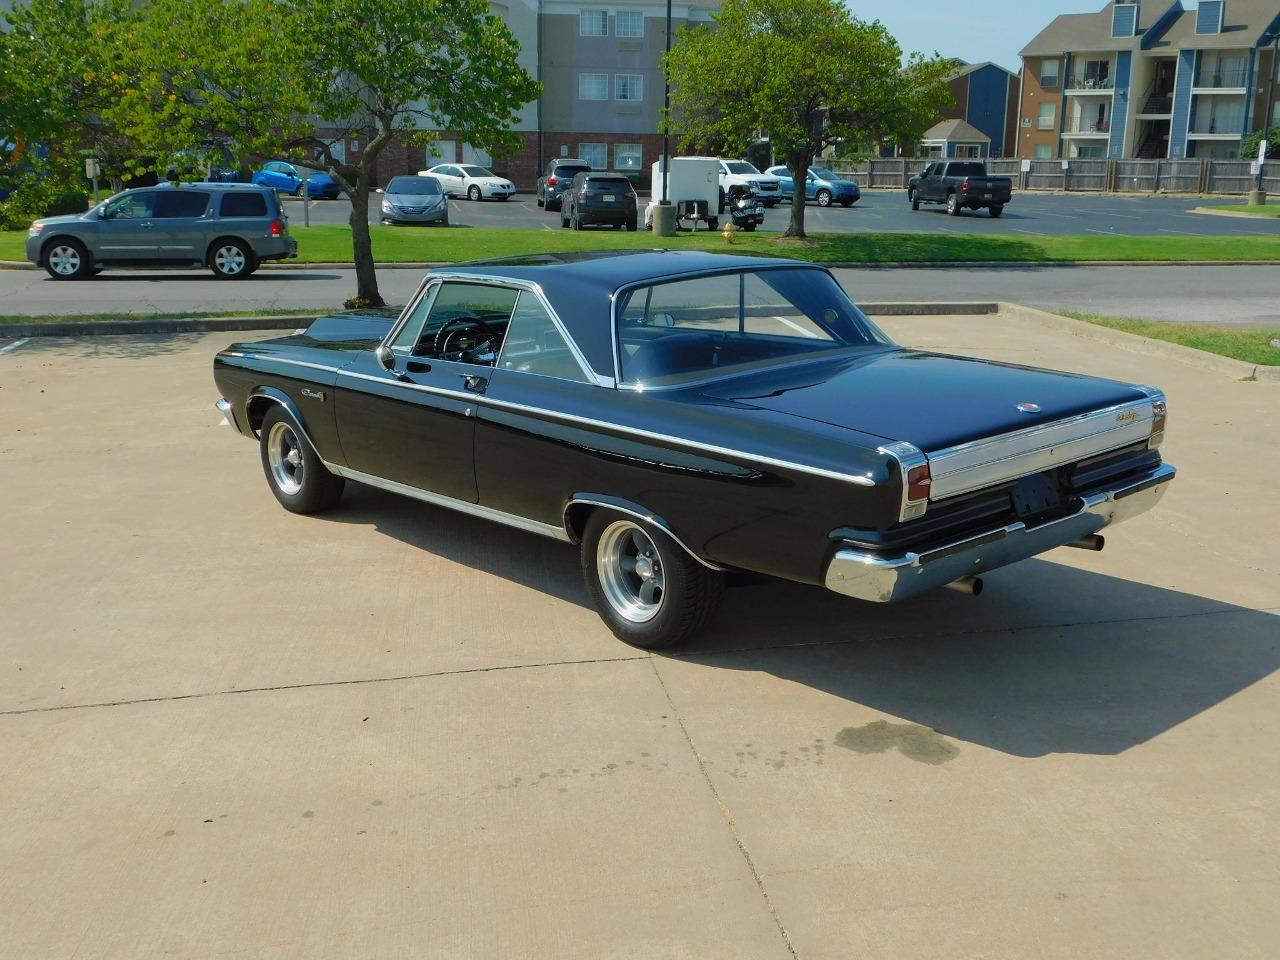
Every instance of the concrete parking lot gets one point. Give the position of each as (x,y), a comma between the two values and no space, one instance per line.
(394,732)
(888,211)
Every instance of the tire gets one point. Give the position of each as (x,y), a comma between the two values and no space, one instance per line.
(575,222)
(67,259)
(720,209)
(769,204)
(297,191)
(554,204)
(294,472)
(633,225)
(749,227)
(915,203)
(538,200)
(473,193)
(654,605)
(230,260)
(564,220)
(953,205)
(995,210)
(823,198)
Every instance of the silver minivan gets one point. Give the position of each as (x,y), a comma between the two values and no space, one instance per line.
(231,228)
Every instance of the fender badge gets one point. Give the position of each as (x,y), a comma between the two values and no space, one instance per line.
(1126,416)
(313,394)
(1028,408)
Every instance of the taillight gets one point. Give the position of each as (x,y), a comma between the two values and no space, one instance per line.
(277,228)
(965,185)
(1159,413)
(551,181)
(918,483)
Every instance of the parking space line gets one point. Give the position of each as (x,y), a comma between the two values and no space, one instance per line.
(14,346)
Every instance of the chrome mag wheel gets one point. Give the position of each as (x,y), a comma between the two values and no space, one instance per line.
(229,260)
(630,571)
(64,260)
(284,453)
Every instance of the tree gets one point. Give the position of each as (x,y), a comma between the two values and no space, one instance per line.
(210,79)
(807,74)
(375,68)
(1249,145)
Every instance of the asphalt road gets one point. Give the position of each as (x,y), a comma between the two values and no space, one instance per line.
(888,211)
(393,731)
(1244,295)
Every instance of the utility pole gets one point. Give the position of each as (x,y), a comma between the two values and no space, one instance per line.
(664,217)
(1258,194)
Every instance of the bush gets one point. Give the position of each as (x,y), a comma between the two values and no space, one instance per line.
(1249,145)
(36,193)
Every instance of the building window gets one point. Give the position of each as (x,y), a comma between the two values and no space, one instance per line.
(1045,120)
(1048,73)
(594,155)
(1044,151)
(593,86)
(593,23)
(630,23)
(627,156)
(968,151)
(628,86)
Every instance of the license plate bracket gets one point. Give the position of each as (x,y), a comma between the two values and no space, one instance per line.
(1036,495)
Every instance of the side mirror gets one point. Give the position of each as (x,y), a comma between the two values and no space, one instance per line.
(386,359)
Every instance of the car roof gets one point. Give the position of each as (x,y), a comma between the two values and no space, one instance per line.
(580,286)
(202,184)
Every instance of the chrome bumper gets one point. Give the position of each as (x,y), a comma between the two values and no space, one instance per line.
(887,578)
(227,410)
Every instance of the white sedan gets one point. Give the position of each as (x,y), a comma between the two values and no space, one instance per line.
(472,182)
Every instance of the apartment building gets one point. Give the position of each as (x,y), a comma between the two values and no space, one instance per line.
(1149,79)
(600,64)
(985,97)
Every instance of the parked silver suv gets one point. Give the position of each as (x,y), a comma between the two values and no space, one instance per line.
(229,227)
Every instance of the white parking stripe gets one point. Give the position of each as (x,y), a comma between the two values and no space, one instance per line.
(14,346)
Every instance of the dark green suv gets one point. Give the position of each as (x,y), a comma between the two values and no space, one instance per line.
(230,228)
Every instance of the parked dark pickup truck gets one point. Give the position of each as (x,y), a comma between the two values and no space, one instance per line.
(960,184)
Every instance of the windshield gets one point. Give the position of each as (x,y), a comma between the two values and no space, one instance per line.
(739,166)
(822,173)
(477,172)
(414,186)
(673,333)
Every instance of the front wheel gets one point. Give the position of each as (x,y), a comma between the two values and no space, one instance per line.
(995,209)
(473,193)
(644,585)
(824,198)
(67,260)
(294,471)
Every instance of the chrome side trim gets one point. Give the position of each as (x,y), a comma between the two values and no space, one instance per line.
(992,460)
(908,456)
(880,578)
(462,506)
(645,515)
(857,479)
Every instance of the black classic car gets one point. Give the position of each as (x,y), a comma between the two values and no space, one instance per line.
(688,417)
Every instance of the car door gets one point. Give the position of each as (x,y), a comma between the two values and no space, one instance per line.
(414,423)
(811,185)
(451,180)
(126,228)
(785,184)
(181,220)
(929,182)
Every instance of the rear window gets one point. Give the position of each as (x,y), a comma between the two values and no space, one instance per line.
(571,170)
(609,183)
(966,170)
(246,204)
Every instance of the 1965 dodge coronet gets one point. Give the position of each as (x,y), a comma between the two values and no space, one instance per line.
(688,416)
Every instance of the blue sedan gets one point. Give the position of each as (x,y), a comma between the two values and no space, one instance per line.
(823,186)
(286,178)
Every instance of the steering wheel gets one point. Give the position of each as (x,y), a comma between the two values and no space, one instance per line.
(450,328)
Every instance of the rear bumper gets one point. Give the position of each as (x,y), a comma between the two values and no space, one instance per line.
(606,213)
(887,578)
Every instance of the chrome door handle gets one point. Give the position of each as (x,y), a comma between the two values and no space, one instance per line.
(145,225)
(474,383)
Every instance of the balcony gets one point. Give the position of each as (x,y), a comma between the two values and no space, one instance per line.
(1084,127)
(1084,85)
(1225,78)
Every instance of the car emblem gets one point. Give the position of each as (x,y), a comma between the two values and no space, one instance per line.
(1029,408)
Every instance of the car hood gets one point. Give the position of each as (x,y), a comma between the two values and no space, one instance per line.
(322,179)
(931,400)
(65,218)
(492,181)
(841,184)
(413,199)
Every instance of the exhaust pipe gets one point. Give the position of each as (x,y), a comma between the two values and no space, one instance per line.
(1093,542)
(970,585)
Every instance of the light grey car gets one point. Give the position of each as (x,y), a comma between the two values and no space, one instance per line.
(229,227)
(415,200)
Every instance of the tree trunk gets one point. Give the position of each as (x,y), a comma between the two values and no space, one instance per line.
(361,242)
(798,167)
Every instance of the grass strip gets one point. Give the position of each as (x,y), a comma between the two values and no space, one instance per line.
(1251,346)
(1269,210)
(6,318)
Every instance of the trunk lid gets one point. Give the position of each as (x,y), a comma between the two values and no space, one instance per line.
(931,400)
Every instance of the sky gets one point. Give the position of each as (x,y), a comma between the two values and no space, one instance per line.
(973,30)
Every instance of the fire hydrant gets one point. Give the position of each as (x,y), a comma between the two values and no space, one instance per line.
(728,232)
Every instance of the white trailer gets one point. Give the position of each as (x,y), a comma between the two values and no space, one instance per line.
(691,179)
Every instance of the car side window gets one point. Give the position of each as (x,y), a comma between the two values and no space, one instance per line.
(244,204)
(407,337)
(175,204)
(533,344)
(131,206)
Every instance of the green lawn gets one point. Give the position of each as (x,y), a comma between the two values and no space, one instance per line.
(1252,346)
(1269,210)
(332,244)
(164,315)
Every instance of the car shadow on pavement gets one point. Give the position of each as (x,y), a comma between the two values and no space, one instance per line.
(1050,659)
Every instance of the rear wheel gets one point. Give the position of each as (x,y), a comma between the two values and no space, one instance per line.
(953,205)
(538,199)
(67,260)
(634,224)
(294,472)
(995,209)
(230,260)
(576,222)
(644,585)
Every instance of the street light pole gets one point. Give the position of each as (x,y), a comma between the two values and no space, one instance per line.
(1267,117)
(664,215)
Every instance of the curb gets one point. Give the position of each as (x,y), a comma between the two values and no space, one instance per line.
(1213,212)
(1211,362)
(105,328)
(923,308)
